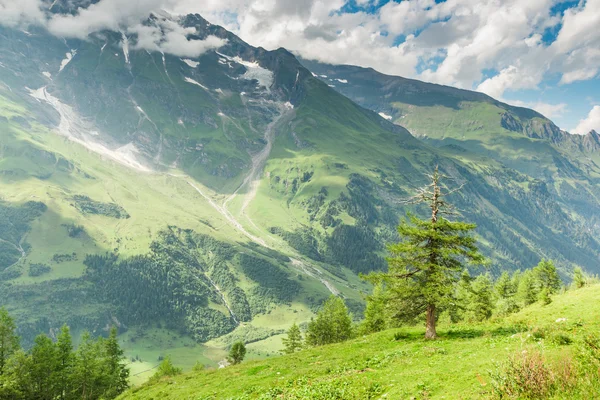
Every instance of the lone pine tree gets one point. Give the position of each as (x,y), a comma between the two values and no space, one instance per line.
(294,340)
(426,264)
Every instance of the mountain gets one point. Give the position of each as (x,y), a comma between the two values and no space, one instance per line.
(186,198)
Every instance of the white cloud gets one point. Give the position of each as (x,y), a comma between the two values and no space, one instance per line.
(509,78)
(592,122)
(167,36)
(455,42)
(14,13)
(116,15)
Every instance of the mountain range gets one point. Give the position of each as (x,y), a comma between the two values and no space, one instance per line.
(225,196)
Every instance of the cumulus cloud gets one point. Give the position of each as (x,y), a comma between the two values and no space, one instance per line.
(168,36)
(116,15)
(592,122)
(490,45)
(17,13)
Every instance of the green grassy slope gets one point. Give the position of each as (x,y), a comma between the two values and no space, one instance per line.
(395,364)
(39,165)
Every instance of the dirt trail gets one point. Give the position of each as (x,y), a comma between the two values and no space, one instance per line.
(314,273)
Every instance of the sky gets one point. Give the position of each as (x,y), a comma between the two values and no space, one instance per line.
(542,54)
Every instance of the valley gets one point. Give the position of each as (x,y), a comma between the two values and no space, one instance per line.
(198,200)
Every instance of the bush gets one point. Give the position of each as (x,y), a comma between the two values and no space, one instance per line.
(237,353)
(11,273)
(525,375)
(38,269)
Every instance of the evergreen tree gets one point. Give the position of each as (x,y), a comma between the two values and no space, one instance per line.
(87,374)
(43,367)
(332,325)
(544,296)
(237,353)
(116,372)
(375,320)
(65,363)
(528,290)
(166,368)
(506,291)
(293,342)
(546,275)
(425,267)
(578,278)
(9,341)
(482,303)
(459,305)
(17,382)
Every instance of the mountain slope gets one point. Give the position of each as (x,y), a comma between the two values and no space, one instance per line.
(396,363)
(204,195)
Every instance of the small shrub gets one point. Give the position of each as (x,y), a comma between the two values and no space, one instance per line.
(561,339)
(527,375)
(38,269)
(524,375)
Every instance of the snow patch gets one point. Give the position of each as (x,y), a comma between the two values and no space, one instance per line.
(264,76)
(313,74)
(384,115)
(67,60)
(331,85)
(193,82)
(191,63)
(323,76)
(341,80)
(47,74)
(288,105)
(218,90)
(125,47)
(220,114)
(77,130)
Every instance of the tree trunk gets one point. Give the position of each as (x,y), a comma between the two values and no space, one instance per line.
(430,326)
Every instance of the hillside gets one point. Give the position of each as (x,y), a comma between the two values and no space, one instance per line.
(397,363)
(195,200)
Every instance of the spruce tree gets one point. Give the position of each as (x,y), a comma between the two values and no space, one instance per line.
(375,319)
(332,325)
(166,368)
(44,363)
(116,372)
(482,303)
(528,290)
(426,265)
(546,275)
(293,342)
(9,341)
(87,374)
(65,363)
(505,289)
(459,306)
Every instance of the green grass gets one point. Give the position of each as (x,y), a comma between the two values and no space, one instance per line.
(395,364)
